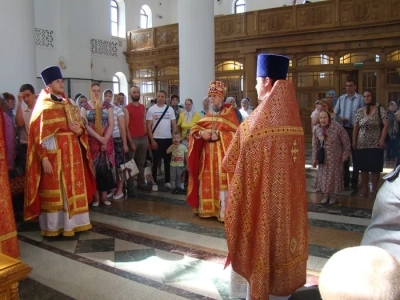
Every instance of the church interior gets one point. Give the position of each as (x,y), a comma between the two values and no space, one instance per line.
(152,245)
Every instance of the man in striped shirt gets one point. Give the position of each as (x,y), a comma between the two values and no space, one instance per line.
(346,108)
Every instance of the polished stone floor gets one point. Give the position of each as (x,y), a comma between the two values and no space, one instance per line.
(153,247)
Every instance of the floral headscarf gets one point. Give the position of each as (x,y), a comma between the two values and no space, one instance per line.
(322,132)
(335,98)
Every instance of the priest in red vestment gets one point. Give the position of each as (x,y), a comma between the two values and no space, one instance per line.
(266,216)
(211,136)
(59,177)
(8,231)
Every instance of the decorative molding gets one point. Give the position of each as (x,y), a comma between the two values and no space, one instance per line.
(231,26)
(315,17)
(270,22)
(103,47)
(363,11)
(44,38)
(167,35)
(142,39)
(394,9)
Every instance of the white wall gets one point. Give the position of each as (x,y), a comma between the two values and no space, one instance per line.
(164,14)
(75,23)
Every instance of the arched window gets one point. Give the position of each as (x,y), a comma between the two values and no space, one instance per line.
(116,85)
(239,6)
(352,58)
(229,65)
(168,71)
(145,17)
(117,18)
(393,56)
(315,60)
(144,73)
(120,84)
(114,18)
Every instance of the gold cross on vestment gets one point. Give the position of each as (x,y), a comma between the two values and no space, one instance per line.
(295,151)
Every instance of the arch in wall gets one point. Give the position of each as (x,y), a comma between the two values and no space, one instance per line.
(120,79)
(231,73)
(359,57)
(144,73)
(146,17)
(238,6)
(315,60)
(170,70)
(119,19)
(229,65)
(393,56)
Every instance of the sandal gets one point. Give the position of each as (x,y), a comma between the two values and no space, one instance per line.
(106,202)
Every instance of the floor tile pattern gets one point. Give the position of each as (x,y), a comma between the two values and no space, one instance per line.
(168,267)
(154,243)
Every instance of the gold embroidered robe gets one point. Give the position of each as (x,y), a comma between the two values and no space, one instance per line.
(207,178)
(73,174)
(8,231)
(266,216)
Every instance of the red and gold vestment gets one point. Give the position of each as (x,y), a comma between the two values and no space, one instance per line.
(8,231)
(266,216)
(73,176)
(207,178)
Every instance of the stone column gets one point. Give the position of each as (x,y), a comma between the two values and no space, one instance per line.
(18,49)
(196,49)
(250,67)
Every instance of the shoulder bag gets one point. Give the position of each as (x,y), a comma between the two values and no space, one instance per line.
(321,153)
(159,120)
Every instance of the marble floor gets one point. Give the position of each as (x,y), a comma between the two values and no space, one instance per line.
(153,247)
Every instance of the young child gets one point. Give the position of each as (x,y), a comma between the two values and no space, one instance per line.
(179,155)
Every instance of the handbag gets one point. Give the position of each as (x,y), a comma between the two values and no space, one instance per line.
(128,170)
(105,176)
(321,153)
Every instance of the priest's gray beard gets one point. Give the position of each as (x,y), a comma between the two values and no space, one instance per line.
(216,108)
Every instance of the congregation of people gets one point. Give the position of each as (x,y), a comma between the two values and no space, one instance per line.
(354,129)
(117,131)
(70,155)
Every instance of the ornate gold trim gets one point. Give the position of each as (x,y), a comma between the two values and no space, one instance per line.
(8,236)
(66,233)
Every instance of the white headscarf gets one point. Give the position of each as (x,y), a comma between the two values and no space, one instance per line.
(189,114)
(231,100)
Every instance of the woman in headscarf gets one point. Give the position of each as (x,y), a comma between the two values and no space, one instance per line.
(245,110)
(331,98)
(188,118)
(99,118)
(330,138)
(80,100)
